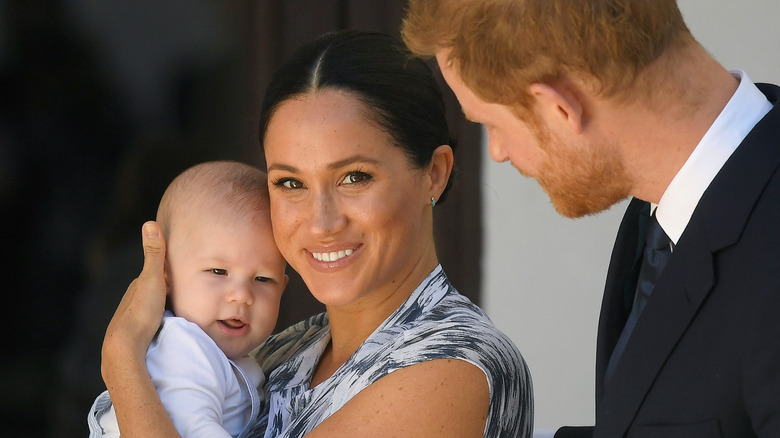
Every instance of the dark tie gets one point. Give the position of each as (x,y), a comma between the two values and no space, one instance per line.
(656,253)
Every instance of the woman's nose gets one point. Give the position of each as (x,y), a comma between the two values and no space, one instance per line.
(326,216)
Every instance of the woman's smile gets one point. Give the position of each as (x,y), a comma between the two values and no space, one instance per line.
(343,200)
(332,256)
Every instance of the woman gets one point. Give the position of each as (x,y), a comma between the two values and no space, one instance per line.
(358,155)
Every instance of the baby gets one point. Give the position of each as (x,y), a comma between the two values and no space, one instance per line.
(225,278)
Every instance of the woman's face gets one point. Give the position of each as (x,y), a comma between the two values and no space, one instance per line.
(350,213)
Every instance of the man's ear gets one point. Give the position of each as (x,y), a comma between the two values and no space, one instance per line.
(559,105)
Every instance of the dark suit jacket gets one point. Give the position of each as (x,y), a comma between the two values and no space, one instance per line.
(704,358)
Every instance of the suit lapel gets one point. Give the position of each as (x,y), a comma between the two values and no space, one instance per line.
(614,308)
(688,279)
(664,320)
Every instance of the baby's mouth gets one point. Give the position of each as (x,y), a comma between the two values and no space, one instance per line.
(233,323)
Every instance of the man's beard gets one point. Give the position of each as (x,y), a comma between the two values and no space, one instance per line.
(581,180)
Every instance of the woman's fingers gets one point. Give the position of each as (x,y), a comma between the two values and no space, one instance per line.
(154,254)
(140,312)
(149,290)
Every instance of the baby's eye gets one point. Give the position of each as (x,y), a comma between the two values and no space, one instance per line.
(262,279)
(356,177)
(218,271)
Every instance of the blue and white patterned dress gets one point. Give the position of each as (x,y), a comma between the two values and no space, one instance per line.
(435,322)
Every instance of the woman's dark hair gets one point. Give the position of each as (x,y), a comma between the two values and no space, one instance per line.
(399,91)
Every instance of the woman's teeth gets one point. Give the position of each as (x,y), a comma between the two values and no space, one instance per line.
(332,256)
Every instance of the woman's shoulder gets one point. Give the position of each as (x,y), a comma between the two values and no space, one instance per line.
(449,326)
(437,322)
(456,327)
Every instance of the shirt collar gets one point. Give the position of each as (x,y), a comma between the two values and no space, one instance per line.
(743,111)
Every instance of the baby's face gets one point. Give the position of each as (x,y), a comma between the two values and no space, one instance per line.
(227,276)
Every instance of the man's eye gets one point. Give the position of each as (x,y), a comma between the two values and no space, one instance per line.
(356,177)
(218,271)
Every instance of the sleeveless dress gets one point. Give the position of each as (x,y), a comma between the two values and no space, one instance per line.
(435,322)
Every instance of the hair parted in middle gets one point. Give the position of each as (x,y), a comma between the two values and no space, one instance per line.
(398,90)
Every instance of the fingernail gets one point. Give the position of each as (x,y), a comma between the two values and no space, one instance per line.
(150,230)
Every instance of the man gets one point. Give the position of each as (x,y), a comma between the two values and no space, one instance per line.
(600,100)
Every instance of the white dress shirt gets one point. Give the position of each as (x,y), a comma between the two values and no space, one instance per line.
(743,111)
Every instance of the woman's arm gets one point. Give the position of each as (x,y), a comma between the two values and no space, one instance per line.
(138,408)
(442,397)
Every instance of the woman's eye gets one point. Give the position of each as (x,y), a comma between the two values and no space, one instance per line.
(356,177)
(218,271)
(289,183)
(262,279)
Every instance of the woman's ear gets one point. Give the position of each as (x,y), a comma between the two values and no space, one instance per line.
(440,170)
(559,105)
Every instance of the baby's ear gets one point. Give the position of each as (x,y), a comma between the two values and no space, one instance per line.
(167,272)
(168,288)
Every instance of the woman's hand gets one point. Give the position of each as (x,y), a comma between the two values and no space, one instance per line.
(140,312)
(138,408)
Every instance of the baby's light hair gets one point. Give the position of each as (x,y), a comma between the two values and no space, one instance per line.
(232,185)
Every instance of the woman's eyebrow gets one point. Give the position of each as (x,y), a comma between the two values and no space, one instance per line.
(285,167)
(334,165)
(353,159)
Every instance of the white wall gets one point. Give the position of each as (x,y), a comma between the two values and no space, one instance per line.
(543,275)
